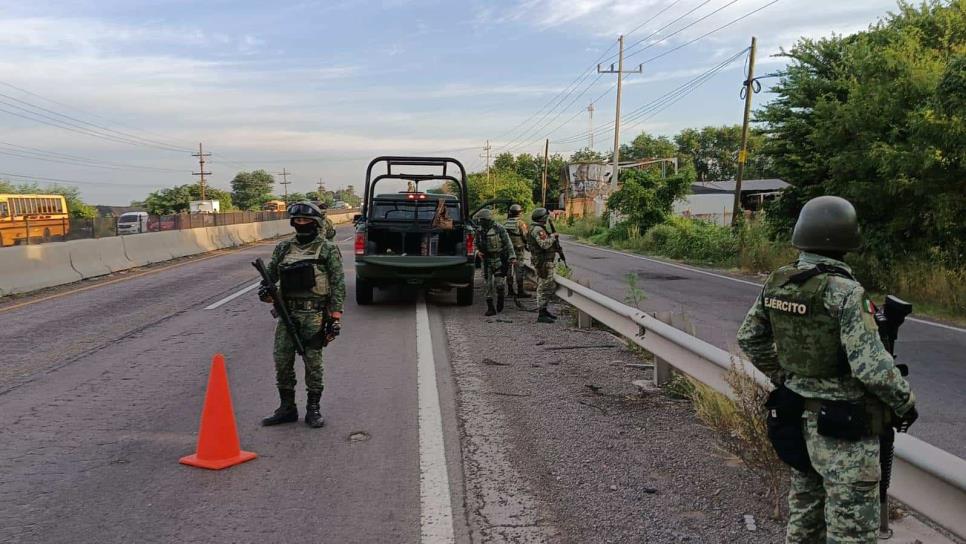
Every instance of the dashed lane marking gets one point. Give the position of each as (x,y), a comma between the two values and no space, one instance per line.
(436,511)
(232,296)
(746,282)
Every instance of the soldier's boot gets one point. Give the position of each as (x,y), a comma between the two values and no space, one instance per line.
(547,310)
(490,310)
(499,301)
(544,316)
(509,288)
(521,292)
(313,414)
(286,412)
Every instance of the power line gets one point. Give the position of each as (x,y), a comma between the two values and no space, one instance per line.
(51,156)
(70,181)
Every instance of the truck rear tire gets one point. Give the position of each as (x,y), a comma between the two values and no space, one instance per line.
(363,292)
(464,296)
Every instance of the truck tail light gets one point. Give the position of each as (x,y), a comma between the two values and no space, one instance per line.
(360,243)
(470,247)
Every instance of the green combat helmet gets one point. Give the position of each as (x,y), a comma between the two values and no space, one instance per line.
(307,210)
(484,216)
(827,224)
(539,215)
(515,210)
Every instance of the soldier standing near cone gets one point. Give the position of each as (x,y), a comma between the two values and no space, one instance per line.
(498,257)
(813,332)
(308,269)
(542,253)
(518,231)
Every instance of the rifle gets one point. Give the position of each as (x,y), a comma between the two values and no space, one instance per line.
(278,306)
(889,318)
(556,243)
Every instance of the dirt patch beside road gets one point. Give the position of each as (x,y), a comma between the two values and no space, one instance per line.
(550,413)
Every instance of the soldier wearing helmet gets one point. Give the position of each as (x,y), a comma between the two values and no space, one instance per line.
(542,254)
(495,246)
(308,269)
(518,231)
(812,332)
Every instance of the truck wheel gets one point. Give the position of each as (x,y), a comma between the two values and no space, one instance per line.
(363,292)
(464,296)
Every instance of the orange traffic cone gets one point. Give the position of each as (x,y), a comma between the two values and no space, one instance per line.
(218,445)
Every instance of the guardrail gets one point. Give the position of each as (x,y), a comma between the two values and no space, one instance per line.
(928,479)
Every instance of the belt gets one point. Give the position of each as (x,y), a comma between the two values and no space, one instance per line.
(305,304)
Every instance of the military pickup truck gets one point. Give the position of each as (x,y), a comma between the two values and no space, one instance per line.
(414,238)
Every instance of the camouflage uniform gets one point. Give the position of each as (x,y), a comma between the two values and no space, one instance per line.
(329,230)
(517,229)
(542,254)
(839,502)
(497,244)
(328,295)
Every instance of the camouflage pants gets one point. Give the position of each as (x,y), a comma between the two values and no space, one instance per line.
(308,322)
(518,271)
(492,283)
(840,504)
(545,284)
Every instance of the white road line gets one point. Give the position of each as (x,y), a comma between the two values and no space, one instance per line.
(232,296)
(436,511)
(705,272)
(346,240)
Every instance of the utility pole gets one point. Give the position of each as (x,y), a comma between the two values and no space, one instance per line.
(546,153)
(285,182)
(321,190)
(590,108)
(486,149)
(743,153)
(617,116)
(201,167)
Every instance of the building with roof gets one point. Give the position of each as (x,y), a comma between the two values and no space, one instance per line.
(713,200)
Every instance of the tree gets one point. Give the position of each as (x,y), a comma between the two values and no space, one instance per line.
(645,146)
(877,118)
(349,196)
(714,152)
(503,184)
(75,205)
(177,199)
(249,190)
(646,199)
(587,155)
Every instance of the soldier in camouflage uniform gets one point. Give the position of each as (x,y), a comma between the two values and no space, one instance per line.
(309,270)
(496,249)
(518,231)
(813,330)
(542,253)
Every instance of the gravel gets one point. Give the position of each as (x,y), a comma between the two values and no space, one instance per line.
(553,427)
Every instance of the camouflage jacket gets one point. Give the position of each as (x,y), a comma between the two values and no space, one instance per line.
(329,229)
(541,244)
(330,263)
(518,231)
(497,236)
(873,369)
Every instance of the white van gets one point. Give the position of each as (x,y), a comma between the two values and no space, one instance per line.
(132,223)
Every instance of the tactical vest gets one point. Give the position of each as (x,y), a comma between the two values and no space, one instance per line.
(304,258)
(806,334)
(537,253)
(513,230)
(494,242)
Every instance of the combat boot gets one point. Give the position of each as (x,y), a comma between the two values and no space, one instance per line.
(545,317)
(521,292)
(286,412)
(547,310)
(313,415)
(509,289)
(499,302)
(490,310)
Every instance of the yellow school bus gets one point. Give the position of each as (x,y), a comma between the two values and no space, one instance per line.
(32,218)
(274,206)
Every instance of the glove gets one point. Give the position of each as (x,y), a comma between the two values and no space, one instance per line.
(332,330)
(264,294)
(907,420)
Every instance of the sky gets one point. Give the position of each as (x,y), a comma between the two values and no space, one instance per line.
(320,87)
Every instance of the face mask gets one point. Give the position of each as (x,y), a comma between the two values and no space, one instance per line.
(306,233)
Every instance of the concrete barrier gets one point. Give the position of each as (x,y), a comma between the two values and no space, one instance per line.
(245,232)
(28,268)
(87,256)
(144,249)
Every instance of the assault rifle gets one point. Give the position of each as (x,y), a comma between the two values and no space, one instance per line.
(278,306)
(889,318)
(556,243)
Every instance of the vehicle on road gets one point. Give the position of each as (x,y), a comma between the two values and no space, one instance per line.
(30,218)
(204,206)
(340,205)
(412,237)
(274,206)
(132,223)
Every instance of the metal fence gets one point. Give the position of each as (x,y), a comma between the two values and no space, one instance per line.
(38,232)
(926,478)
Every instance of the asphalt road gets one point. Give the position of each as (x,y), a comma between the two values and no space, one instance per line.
(101,393)
(716,304)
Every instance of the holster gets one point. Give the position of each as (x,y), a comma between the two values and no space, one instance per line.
(785,408)
(320,339)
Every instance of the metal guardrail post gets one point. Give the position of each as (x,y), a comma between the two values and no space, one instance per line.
(584,320)
(927,479)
